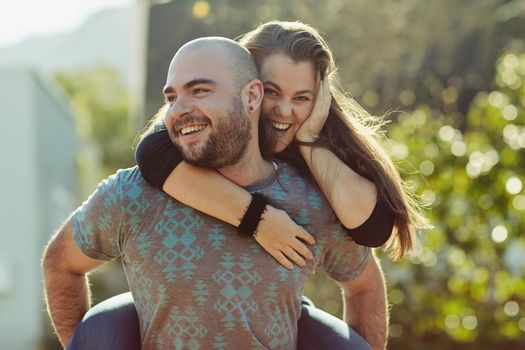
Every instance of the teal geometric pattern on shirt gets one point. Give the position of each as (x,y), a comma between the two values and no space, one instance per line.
(186,329)
(277,330)
(196,282)
(141,293)
(135,205)
(217,237)
(178,254)
(201,293)
(315,200)
(236,280)
(286,275)
(219,342)
(143,244)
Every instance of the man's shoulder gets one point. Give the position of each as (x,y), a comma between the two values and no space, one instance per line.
(127,178)
(128,175)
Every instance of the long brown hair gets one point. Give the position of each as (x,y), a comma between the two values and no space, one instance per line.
(349,131)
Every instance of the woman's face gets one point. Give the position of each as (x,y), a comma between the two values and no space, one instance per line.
(289,95)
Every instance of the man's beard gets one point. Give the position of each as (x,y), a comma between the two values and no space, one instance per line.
(226,144)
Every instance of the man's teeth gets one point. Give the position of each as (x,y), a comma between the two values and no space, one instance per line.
(281,126)
(191,129)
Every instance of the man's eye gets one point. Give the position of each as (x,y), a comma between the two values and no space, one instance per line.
(270,92)
(200,91)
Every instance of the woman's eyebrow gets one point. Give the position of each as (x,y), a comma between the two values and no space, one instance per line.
(300,92)
(306,91)
(274,85)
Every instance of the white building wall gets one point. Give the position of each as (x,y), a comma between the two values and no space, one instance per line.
(37,189)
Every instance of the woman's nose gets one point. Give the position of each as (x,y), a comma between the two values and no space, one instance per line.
(284,109)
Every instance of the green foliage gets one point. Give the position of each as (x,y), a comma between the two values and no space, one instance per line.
(101,106)
(463,287)
(470,268)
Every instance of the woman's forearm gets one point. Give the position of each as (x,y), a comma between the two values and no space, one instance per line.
(208,191)
(351,196)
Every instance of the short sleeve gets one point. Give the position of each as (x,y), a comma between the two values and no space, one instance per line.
(344,260)
(157,156)
(377,229)
(97,223)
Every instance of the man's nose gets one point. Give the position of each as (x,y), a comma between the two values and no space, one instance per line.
(179,108)
(284,109)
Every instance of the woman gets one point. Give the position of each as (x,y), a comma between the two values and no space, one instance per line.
(337,147)
(333,143)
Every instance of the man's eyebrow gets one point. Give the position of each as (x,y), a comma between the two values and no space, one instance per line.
(198,81)
(189,84)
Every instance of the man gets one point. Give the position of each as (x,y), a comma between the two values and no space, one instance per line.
(196,283)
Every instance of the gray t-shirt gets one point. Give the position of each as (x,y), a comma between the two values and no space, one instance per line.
(197,283)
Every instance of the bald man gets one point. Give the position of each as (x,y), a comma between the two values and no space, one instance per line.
(197,283)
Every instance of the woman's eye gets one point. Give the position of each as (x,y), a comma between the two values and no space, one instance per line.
(302,98)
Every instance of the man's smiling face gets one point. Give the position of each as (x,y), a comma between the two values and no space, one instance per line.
(205,116)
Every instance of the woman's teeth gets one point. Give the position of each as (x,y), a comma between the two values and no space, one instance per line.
(281,126)
(191,129)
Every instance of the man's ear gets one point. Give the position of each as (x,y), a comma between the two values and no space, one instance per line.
(252,95)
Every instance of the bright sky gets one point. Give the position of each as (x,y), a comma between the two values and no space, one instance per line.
(21,19)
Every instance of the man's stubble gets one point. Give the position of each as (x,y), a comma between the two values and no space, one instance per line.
(226,144)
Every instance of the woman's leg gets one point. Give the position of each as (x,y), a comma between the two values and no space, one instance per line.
(319,330)
(112,324)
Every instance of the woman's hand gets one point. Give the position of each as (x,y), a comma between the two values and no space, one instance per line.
(279,236)
(311,127)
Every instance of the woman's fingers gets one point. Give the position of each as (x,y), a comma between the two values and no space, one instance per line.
(300,248)
(294,256)
(311,127)
(304,235)
(281,259)
(325,96)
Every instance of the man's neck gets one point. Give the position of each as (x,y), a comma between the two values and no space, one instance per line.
(249,170)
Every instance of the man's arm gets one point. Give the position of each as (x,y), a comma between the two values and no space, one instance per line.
(66,285)
(365,305)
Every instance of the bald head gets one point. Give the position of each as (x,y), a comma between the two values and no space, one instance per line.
(232,56)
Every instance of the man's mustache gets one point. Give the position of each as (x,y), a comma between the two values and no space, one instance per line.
(191,119)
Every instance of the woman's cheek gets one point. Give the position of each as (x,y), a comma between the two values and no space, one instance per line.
(266,107)
(304,113)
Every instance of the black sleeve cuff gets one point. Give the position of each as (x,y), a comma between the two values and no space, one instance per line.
(156,156)
(376,230)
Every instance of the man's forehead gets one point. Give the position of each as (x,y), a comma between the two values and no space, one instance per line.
(181,77)
(196,64)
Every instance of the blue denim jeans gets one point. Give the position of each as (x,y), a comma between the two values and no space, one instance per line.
(113,324)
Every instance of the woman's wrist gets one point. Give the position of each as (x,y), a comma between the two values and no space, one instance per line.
(305,139)
(253,215)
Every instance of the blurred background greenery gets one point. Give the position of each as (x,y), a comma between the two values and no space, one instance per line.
(450,77)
